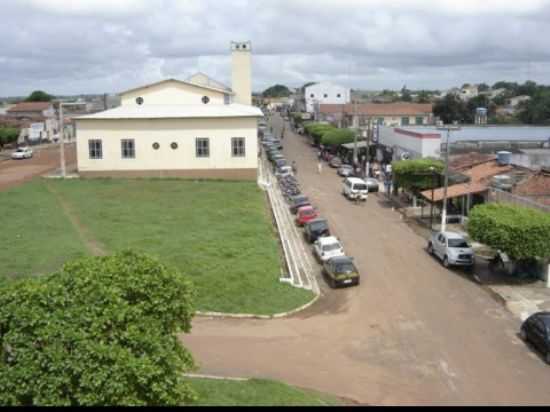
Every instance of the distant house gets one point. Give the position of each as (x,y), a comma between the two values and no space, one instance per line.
(513,102)
(383,114)
(32,111)
(325,93)
(468,92)
(197,128)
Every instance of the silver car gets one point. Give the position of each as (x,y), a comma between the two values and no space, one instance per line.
(452,249)
(345,170)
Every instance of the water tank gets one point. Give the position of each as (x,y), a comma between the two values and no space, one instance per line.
(504,158)
(502,182)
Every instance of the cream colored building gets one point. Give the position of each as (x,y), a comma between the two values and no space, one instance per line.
(196,128)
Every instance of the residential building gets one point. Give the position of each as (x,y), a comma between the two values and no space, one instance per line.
(193,129)
(39,116)
(389,114)
(468,92)
(325,93)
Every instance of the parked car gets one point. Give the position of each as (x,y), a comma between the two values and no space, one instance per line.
(277,144)
(373,185)
(277,156)
(536,330)
(22,153)
(306,214)
(273,152)
(278,163)
(452,249)
(345,170)
(335,162)
(326,248)
(297,202)
(316,229)
(355,188)
(341,271)
(283,171)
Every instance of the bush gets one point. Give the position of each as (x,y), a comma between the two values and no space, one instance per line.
(317,130)
(520,232)
(102,331)
(336,137)
(415,175)
(8,135)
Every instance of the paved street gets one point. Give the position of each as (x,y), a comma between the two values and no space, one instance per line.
(45,159)
(411,333)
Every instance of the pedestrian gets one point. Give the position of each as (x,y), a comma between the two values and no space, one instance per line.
(320,166)
(294,168)
(319,155)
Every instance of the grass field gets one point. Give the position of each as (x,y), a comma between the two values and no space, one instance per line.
(218,233)
(256,392)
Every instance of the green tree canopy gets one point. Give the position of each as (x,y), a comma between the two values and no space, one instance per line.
(537,109)
(406,94)
(277,91)
(450,108)
(8,135)
(415,175)
(102,331)
(483,87)
(423,97)
(337,137)
(39,96)
(520,232)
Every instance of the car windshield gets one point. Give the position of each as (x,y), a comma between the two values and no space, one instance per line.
(330,247)
(19,150)
(300,199)
(318,226)
(308,212)
(458,243)
(344,267)
(359,186)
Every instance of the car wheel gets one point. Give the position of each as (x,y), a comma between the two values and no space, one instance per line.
(430,248)
(446,262)
(523,335)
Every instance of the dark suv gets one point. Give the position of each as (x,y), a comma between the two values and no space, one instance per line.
(536,330)
(315,229)
(297,202)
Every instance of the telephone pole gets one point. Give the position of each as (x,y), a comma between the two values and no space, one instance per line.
(447,150)
(62,142)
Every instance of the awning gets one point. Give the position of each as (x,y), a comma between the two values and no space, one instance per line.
(360,145)
(455,191)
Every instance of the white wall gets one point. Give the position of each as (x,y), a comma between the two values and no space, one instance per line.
(166,131)
(417,147)
(169,93)
(330,90)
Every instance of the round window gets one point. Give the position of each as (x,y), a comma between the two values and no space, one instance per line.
(206,99)
(174,145)
(156,146)
(139,100)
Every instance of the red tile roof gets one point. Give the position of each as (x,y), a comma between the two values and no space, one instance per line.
(30,107)
(536,185)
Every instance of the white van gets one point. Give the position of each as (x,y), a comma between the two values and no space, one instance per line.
(355,188)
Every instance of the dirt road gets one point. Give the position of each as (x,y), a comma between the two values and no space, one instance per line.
(16,172)
(411,333)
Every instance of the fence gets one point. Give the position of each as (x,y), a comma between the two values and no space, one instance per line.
(500,196)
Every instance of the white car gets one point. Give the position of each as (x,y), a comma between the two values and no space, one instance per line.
(355,188)
(326,248)
(22,153)
(452,249)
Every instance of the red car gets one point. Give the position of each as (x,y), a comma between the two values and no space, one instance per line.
(306,214)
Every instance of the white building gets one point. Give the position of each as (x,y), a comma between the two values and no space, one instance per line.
(197,128)
(325,93)
(409,143)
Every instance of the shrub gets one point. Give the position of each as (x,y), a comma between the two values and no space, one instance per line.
(415,175)
(520,232)
(8,135)
(317,130)
(336,137)
(102,331)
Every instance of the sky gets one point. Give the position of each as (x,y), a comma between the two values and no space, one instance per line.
(108,46)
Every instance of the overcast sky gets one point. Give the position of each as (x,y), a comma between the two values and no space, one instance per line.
(97,46)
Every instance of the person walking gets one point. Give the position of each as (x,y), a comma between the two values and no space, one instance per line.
(294,168)
(320,166)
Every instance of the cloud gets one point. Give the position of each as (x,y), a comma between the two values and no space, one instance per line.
(112,45)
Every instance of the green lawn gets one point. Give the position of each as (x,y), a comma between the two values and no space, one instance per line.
(256,392)
(218,233)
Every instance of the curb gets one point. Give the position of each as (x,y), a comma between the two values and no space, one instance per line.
(252,316)
(213,377)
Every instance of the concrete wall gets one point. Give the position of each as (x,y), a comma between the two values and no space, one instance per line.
(170,93)
(165,132)
(416,146)
(330,90)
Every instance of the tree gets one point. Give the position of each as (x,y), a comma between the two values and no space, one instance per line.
(277,91)
(406,94)
(450,108)
(465,85)
(537,109)
(101,331)
(483,87)
(415,175)
(336,137)
(39,96)
(528,88)
(317,130)
(520,232)
(423,97)
(8,135)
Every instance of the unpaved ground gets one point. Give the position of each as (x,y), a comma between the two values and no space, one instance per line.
(411,333)
(16,172)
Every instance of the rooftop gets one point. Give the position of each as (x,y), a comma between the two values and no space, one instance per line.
(379,109)
(488,132)
(30,107)
(190,111)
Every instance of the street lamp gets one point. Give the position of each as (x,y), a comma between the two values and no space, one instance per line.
(448,128)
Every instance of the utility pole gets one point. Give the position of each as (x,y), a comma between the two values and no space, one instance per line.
(62,141)
(355,134)
(447,150)
(369,136)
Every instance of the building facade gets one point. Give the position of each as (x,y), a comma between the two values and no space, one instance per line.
(325,93)
(175,128)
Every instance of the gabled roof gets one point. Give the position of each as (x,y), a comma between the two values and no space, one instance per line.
(183,111)
(226,91)
(208,81)
(379,109)
(30,107)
